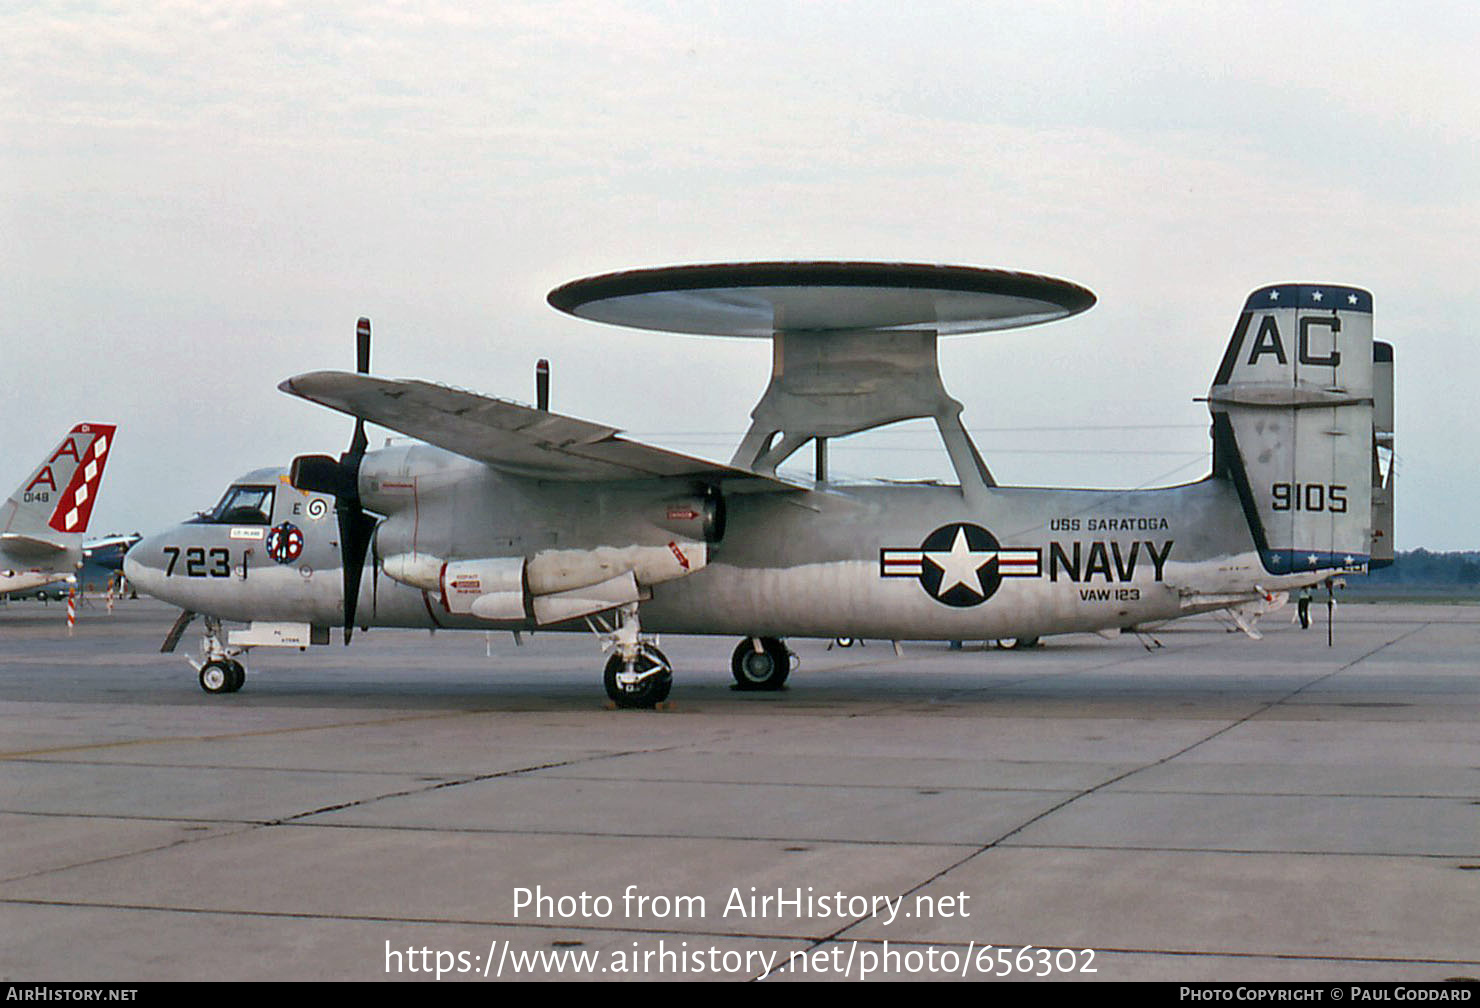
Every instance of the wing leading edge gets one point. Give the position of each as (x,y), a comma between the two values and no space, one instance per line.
(512,437)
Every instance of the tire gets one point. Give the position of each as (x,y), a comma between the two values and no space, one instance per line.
(766,669)
(660,693)
(238,675)
(216,676)
(1017,643)
(649,692)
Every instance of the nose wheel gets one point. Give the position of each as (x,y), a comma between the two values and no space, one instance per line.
(222,675)
(218,669)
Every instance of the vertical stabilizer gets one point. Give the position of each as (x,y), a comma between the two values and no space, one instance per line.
(59,494)
(1383,470)
(1292,407)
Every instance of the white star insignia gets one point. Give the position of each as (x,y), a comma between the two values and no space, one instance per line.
(1312,558)
(1351,299)
(959,566)
(1317,296)
(1274,295)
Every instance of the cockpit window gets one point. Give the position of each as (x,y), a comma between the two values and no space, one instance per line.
(243,505)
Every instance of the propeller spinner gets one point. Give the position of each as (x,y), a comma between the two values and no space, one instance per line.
(341,477)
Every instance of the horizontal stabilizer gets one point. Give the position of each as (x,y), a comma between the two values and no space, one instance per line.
(28,547)
(511,437)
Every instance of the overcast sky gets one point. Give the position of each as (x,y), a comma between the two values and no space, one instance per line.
(199,199)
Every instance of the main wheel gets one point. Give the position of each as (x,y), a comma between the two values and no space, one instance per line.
(216,676)
(765,669)
(1017,643)
(650,685)
(238,675)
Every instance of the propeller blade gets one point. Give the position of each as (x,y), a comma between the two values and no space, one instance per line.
(362,346)
(355,530)
(359,442)
(357,446)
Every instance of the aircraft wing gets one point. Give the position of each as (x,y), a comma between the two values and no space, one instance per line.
(512,437)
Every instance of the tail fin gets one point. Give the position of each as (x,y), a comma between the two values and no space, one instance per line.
(1383,470)
(60,493)
(1292,407)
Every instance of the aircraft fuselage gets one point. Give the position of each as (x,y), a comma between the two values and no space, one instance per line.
(896,562)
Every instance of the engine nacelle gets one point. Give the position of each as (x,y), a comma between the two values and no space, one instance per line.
(419,570)
(490,589)
(557,584)
(553,571)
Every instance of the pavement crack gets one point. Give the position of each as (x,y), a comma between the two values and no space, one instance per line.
(1096,788)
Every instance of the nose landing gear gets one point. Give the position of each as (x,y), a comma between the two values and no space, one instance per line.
(222,675)
(218,669)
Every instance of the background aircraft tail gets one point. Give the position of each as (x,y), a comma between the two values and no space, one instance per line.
(1293,426)
(59,494)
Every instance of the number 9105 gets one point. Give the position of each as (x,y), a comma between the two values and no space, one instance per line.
(1328,497)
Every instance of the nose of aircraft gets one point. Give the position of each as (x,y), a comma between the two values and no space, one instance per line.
(144,565)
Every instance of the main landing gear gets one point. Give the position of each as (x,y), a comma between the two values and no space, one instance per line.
(218,668)
(645,681)
(760,663)
(637,674)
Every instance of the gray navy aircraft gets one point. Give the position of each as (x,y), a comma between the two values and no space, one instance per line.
(512,517)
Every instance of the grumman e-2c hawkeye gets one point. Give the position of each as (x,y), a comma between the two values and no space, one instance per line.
(511,517)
